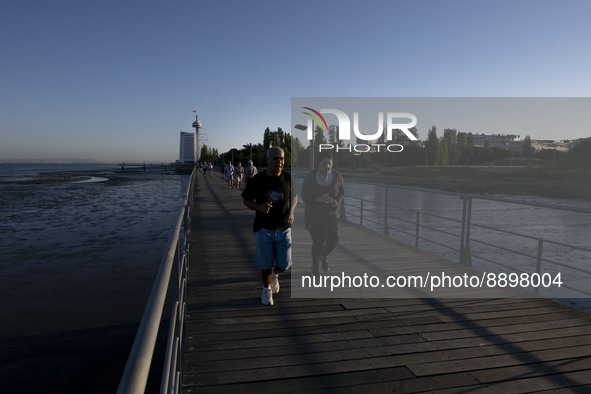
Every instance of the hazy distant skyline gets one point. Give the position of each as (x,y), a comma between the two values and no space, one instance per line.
(118,81)
(552,117)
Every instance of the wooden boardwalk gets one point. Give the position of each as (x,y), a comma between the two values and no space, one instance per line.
(235,344)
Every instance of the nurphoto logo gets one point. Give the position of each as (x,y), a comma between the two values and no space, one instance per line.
(343,132)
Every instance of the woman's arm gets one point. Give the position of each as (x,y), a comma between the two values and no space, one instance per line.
(340,188)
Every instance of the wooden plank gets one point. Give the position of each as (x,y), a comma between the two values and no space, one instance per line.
(454,382)
(472,362)
(533,370)
(309,383)
(571,382)
(291,347)
(435,333)
(308,367)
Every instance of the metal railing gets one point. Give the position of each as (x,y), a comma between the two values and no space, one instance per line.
(457,234)
(135,375)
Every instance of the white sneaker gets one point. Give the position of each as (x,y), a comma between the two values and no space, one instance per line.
(267,297)
(274,284)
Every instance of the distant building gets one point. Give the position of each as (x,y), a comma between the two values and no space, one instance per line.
(562,146)
(507,141)
(187,147)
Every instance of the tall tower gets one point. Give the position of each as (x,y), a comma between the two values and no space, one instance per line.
(197,125)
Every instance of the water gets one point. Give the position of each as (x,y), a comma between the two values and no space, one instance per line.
(80,251)
(82,238)
(33,169)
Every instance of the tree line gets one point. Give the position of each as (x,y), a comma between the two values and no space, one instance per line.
(434,151)
(448,151)
(255,152)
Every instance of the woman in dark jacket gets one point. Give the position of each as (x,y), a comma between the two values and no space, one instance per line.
(323,191)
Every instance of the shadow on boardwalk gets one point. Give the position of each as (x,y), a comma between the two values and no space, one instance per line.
(235,344)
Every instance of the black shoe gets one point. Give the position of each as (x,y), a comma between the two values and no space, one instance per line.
(325,265)
(314,270)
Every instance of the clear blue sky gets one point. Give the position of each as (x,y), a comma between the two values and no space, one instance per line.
(118,80)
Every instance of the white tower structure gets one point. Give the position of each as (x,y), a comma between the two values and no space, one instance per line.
(197,125)
(187,147)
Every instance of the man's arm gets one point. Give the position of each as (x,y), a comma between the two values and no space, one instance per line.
(263,208)
(291,214)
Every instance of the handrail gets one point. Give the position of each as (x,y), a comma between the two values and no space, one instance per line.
(360,213)
(135,375)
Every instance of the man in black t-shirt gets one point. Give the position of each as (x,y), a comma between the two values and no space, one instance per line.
(273,195)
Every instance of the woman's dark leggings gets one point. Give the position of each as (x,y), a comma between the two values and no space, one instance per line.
(325,237)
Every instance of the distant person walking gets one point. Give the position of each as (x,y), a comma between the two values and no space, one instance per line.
(249,172)
(229,171)
(273,195)
(323,191)
(239,170)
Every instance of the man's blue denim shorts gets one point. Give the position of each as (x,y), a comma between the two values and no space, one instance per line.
(273,247)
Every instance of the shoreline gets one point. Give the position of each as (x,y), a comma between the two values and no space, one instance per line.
(515,182)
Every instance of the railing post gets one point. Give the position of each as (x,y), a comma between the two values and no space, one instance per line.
(386,229)
(361,214)
(463,232)
(539,261)
(417,229)
(167,371)
(467,252)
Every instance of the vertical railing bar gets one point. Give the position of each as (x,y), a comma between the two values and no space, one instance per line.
(167,359)
(361,214)
(463,231)
(539,261)
(182,292)
(173,366)
(177,383)
(181,273)
(386,229)
(417,229)
(181,361)
(467,251)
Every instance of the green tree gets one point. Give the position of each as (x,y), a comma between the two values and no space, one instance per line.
(468,149)
(296,149)
(527,150)
(277,138)
(454,152)
(332,134)
(318,139)
(448,136)
(443,155)
(579,157)
(461,140)
(204,153)
(267,138)
(432,147)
